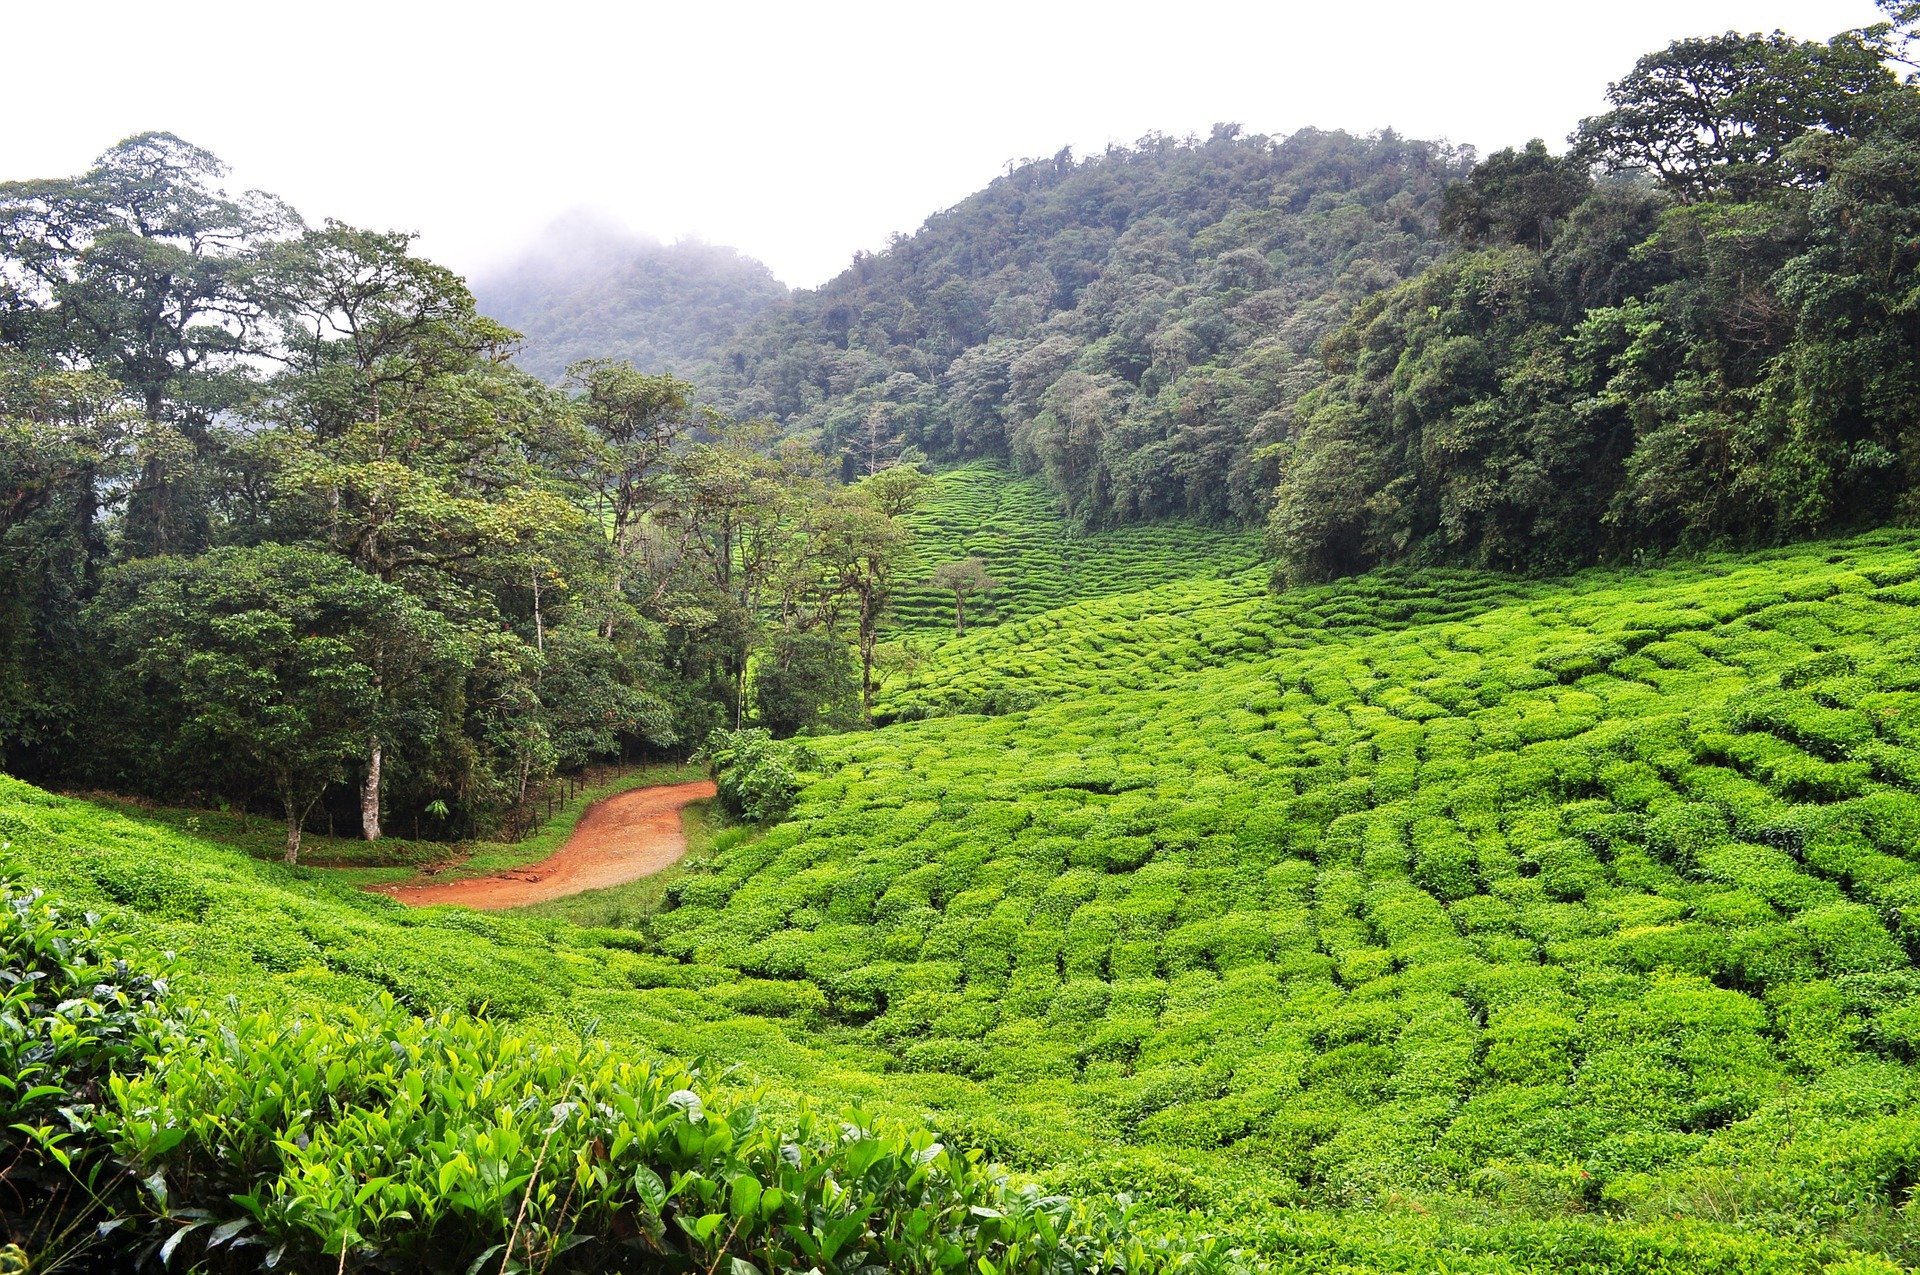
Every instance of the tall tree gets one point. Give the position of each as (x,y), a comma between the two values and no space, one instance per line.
(1518,197)
(863,544)
(1903,34)
(745,502)
(146,272)
(405,444)
(1716,115)
(636,427)
(70,444)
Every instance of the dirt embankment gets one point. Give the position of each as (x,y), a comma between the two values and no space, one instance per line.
(619,839)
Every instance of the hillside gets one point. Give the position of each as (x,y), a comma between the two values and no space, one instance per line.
(1579,903)
(1695,327)
(1429,779)
(1692,326)
(1131,325)
(1040,559)
(1571,916)
(585,289)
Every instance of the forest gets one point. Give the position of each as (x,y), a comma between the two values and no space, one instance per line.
(587,290)
(1319,703)
(1692,326)
(286,527)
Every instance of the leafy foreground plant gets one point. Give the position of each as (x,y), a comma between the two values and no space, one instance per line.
(382,1140)
(73,1013)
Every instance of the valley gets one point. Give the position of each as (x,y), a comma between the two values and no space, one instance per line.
(1230,705)
(1561,901)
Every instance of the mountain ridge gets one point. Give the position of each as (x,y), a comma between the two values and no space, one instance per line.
(587,287)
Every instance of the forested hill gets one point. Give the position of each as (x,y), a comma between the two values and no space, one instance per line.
(590,290)
(1695,325)
(1134,324)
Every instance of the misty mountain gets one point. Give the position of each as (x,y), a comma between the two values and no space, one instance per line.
(589,289)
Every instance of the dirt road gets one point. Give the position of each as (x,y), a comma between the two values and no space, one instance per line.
(622,838)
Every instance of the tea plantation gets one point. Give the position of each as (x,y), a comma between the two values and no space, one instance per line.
(1038,558)
(1428,921)
(1597,901)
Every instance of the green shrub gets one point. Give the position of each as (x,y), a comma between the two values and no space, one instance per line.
(1611,973)
(378,1139)
(440,1144)
(757,777)
(75,1015)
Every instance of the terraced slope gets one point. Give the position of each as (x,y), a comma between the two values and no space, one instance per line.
(1426,919)
(1041,561)
(1153,638)
(1600,900)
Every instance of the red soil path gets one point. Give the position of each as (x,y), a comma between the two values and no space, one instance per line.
(619,839)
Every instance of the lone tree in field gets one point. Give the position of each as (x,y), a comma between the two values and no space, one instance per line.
(967,576)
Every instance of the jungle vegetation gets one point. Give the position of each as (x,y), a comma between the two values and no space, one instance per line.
(1429,780)
(1693,325)
(284,527)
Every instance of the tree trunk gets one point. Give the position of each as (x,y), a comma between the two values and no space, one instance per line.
(522,816)
(370,795)
(866,671)
(539,621)
(619,573)
(293,836)
(959,614)
(869,635)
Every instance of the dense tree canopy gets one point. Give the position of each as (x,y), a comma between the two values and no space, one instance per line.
(285,482)
(1711,338)
(268,667)
(1134,325)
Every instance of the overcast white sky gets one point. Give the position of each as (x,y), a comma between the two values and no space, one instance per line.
(797,132)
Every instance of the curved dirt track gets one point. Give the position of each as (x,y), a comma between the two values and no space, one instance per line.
(619,839)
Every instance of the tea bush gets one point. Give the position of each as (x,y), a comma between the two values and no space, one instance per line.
(75,1014)
(1593,896)
(755,775)
(380,1139)
(449,1143)
(1040,559)
(1434,920)
(1150,638)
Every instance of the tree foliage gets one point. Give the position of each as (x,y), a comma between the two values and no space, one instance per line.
(758,777)
(1133,325)
(286,481)
(962,579)
(267,666)
(1710,341)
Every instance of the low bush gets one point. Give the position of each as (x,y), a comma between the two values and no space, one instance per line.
(1387,921)
(75,1015)
(450,1143)
(757,777)
(376,1139)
